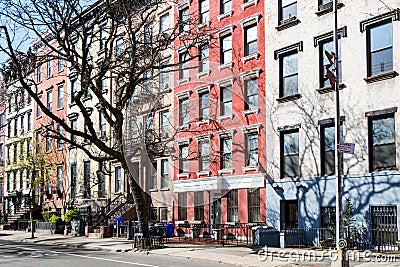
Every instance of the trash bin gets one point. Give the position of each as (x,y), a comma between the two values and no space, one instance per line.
(169,230)
(266,237)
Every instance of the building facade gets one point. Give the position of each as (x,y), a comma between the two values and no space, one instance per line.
(300,149)
(219,174)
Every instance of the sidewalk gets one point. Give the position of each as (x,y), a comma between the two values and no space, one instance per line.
(239,256)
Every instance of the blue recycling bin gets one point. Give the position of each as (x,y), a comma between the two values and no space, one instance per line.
(169,230)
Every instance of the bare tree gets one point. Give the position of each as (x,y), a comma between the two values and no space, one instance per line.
(108,40)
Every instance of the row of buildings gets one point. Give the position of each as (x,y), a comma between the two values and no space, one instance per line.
(252,119)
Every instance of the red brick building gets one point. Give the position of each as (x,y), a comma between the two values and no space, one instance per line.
(50,79)
(219,176)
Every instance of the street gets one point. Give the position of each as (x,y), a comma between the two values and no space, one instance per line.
(18,254)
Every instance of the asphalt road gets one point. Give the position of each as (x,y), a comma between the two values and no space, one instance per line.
(17,254)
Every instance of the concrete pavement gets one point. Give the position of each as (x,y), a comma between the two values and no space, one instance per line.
(233,255)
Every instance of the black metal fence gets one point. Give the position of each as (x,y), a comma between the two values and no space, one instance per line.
(382,239)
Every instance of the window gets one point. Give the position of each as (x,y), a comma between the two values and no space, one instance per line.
(204,157)
(182,206)
(199,206)
(60,96)
(184,159)
(49,100)
(102,125)
(148,83)
(384,221)
(86,179)
(290,165)
(382,140)
(39,74)
(164,23)
(183,111)
(163,215)
(29,121)
(288,75)
(148,34)
(48,141)
(164,76)
(328,45)
(49,68)
(9,104)
(117,179)
(74,126)
(327,149)
(164,122)
(153,214)
(149,128)
(380,50)
(73,90)
(328,217)
(104,86)
(183,65)
(250,40)
(60,131)
(288,9)
(226,153)
(22,122)
(226,6)
(204,11)
(252,149)
(119,47)
(164,173)
(38,109)
(73,180)
(204,108)
(233,210)
(38,141)
(184,20)
(154,175)
(253,200)
(60,63)
(226,100)
(226,49)
(204,58)
(251,88)
(60,178)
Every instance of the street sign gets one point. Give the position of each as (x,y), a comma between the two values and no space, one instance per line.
(346,148)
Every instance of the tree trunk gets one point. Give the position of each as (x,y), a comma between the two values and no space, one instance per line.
(140,203)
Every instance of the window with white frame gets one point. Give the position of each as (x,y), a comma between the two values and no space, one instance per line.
(119,47)
(60,63)
(199,206)
(164,122)
(226,152)
(204,155)
(289,74)
(226,6)
(49,100)
(182,206)
(251,91)
(226,49)
(154,175)
(183,65)
(164,23)
(184,20)
(226,100)
(60,178)
(184,158)
(252,149)
(60,131)
(204,105)
(204,7)
(164,173)
(164,76)
(250,39)
(183,111)
(86,179)
(328,46)
(204,60)
(118,179)
(60,96)
(39,74)
(49,68)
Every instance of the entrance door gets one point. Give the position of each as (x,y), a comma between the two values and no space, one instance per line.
(290,211)
(215,208)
